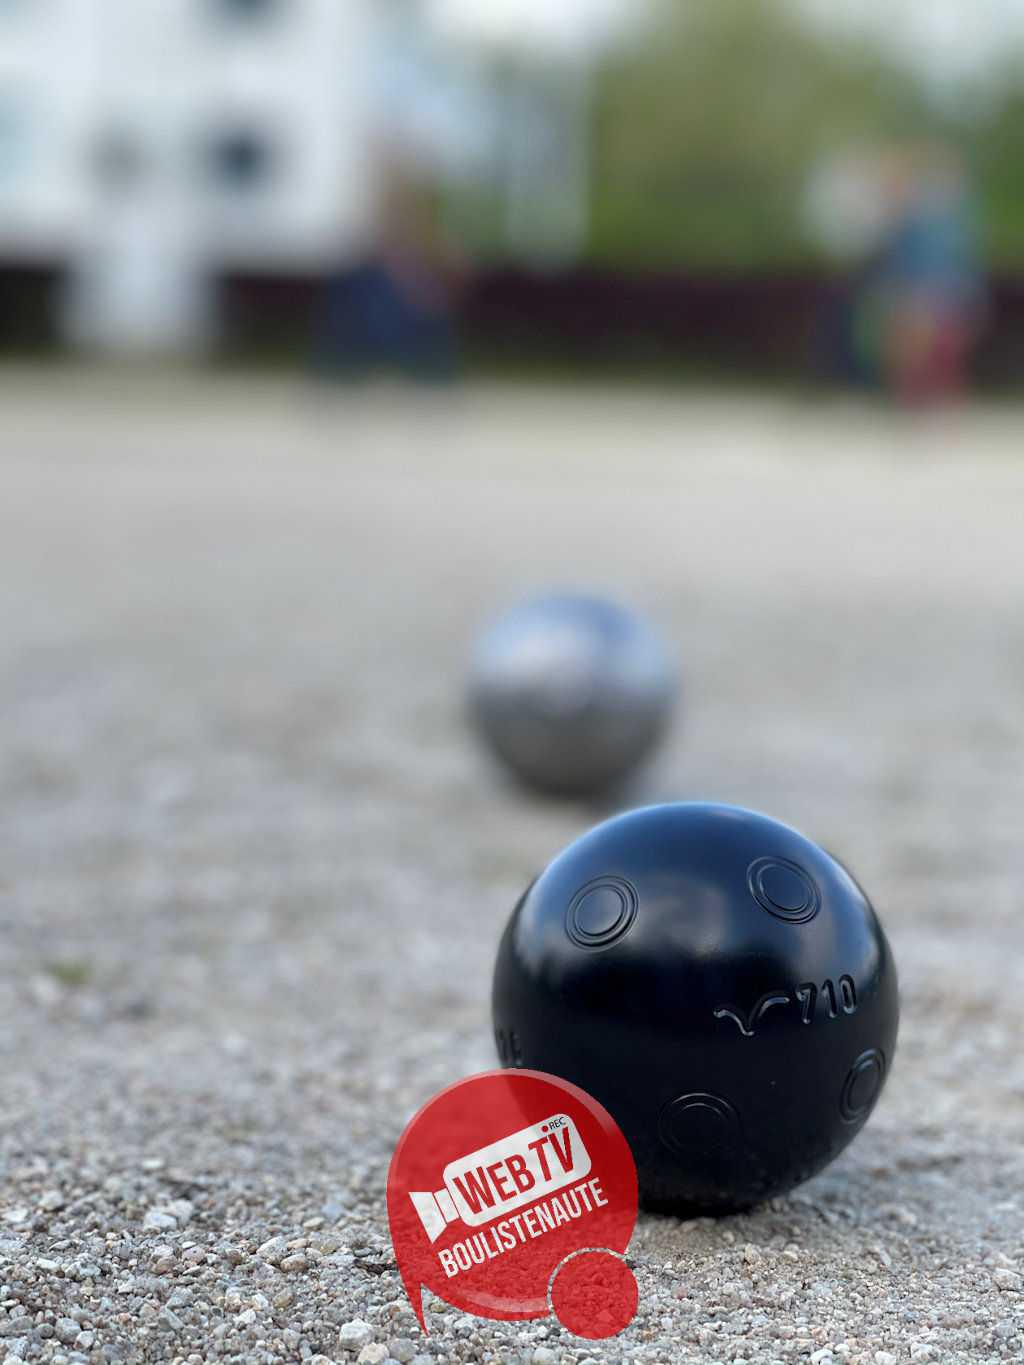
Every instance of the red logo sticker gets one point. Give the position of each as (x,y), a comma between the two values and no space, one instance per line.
(513,1195)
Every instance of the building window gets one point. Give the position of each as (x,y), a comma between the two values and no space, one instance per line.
(245,11)
(240,160)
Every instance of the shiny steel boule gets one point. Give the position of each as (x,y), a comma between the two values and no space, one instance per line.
(572,693)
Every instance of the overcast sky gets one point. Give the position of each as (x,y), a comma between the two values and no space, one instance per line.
(947,37)
(570,25)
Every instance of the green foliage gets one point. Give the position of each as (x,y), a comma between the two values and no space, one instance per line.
(998,162)
(707,127)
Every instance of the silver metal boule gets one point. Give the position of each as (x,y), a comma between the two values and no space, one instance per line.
(572,692)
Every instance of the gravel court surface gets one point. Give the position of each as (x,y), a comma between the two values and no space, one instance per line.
(253,869)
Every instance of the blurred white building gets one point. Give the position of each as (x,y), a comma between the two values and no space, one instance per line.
(145,143)
(148,146)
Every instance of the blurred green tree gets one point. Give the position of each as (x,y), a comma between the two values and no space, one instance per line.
(997,158)
(707,124)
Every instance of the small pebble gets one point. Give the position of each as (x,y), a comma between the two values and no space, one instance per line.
(67,1330)
(272,1250)
(159,1220)
(182,1211)
(354,1335)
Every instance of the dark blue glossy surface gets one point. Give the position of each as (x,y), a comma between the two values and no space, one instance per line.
(715,979)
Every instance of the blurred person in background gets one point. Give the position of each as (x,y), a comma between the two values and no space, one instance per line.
(395,310)
(928,287)
(912,305)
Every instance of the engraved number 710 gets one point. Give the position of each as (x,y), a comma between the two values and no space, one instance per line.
(839,998)
(807,996)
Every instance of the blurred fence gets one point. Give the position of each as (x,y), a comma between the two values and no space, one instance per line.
(766,324)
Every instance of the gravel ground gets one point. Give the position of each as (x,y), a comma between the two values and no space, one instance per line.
(253,870)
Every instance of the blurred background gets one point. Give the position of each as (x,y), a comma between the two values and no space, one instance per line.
(772,189)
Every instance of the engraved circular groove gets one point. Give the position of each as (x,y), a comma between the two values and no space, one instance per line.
(602,912)
(862,1084)
(784,889)
(699,1125)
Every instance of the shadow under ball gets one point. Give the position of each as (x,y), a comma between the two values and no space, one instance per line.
(720,983)
(571,693)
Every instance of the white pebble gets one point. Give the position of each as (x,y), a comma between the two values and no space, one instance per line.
(67,1330)
(182,1210)
(272,1250)
(1007,1280)
(352,1336)
(159,1220)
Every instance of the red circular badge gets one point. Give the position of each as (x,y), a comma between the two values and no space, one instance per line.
(594,1294)
(496,1183)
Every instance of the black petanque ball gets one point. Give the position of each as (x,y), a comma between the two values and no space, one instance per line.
(720,983)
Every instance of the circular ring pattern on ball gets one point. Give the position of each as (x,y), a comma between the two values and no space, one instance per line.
(602,912)
(861,1087)
(784,889)
(692,1125)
